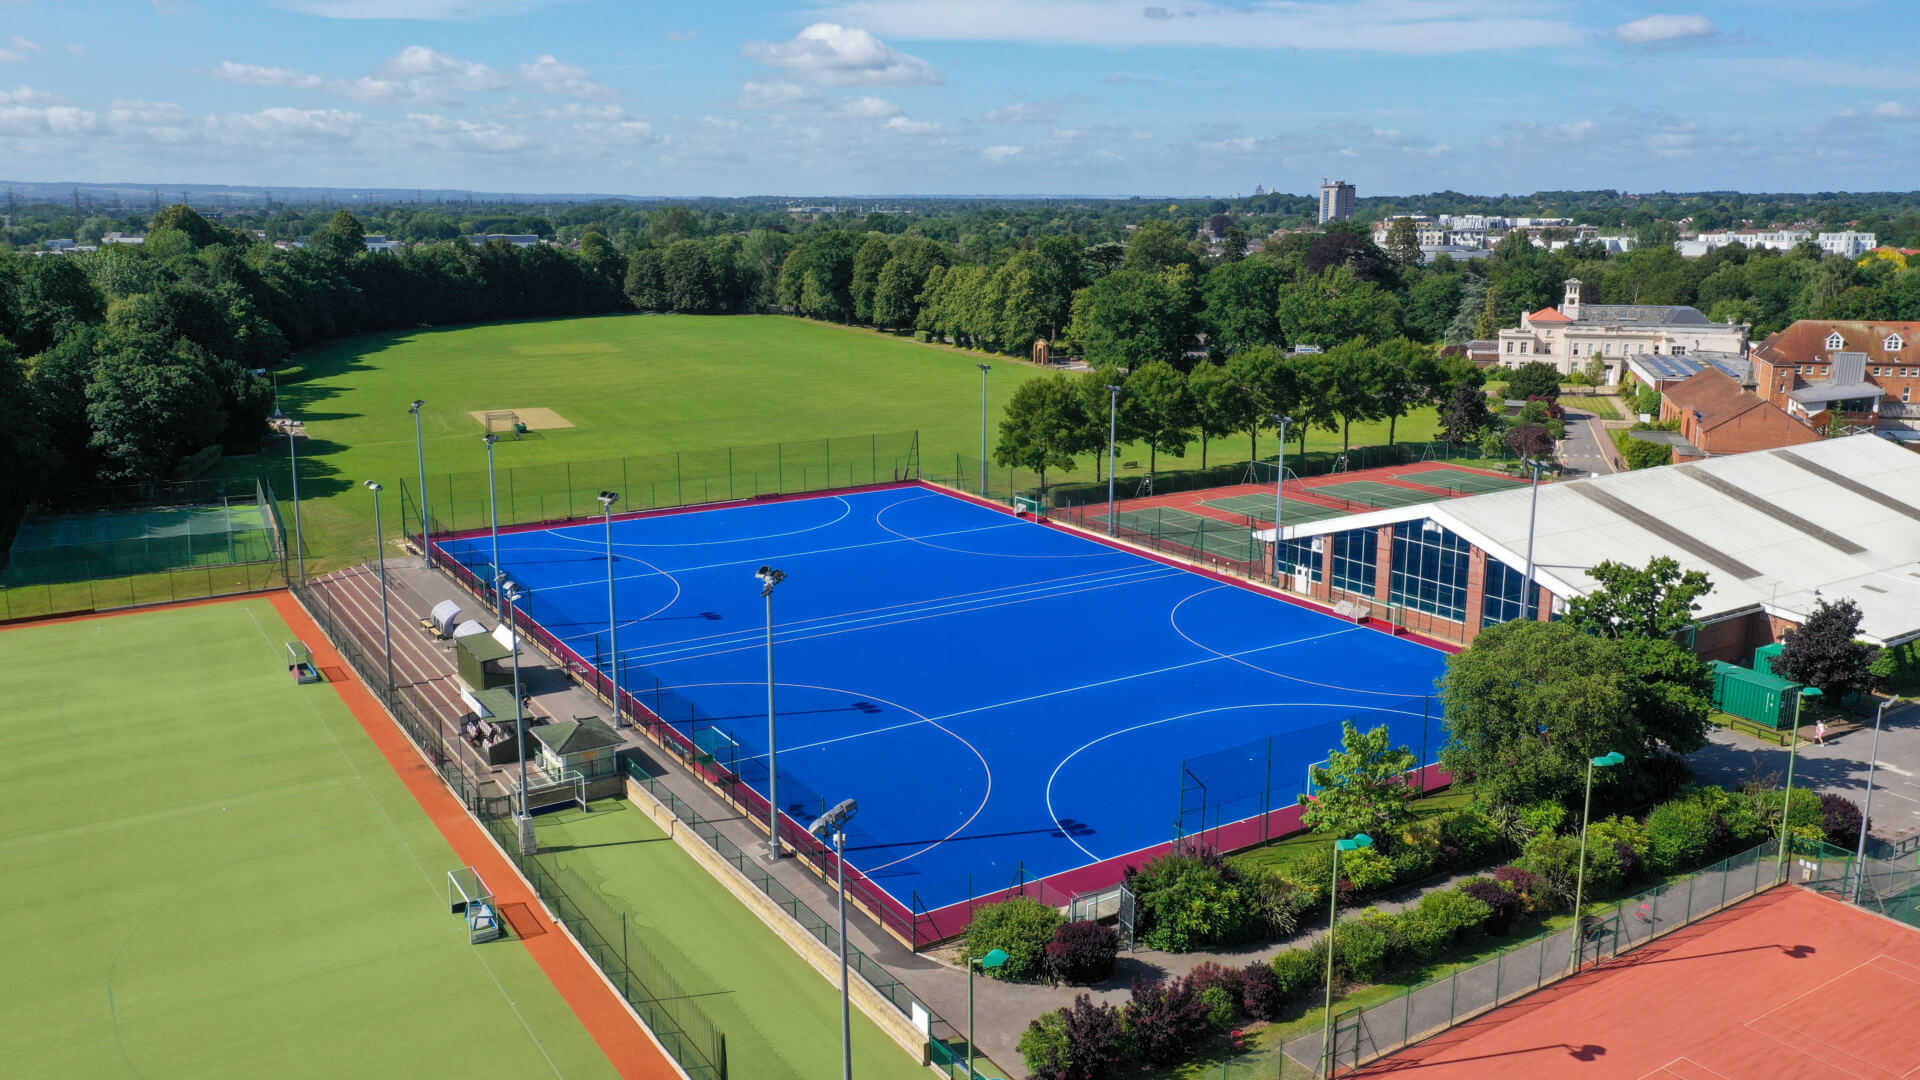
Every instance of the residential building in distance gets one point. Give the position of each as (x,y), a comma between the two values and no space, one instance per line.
(122,238)
(1784,239)
(1336,201)
(1576,333)
(1867,372)
(1719,416)
(1775,532)
(516,239)
(376,242)
(1850,244)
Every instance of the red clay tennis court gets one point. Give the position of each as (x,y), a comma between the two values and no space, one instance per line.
(1790,985)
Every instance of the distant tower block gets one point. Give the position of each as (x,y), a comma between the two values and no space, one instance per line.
(1336,200)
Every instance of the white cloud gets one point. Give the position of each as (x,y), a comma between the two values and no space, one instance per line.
(999,155)
(1893,110)
(609,123)
(76,49)
(256,75)
(769,93)
(421,64)
(1420,27)
(682,35)
(868,108)
(283,126)
(1028,112)
(1657,28)
(19,52)
(26,95)
(551,76)
(900,125)
(828,54)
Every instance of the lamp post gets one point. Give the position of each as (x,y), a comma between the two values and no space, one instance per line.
(836,820)
(493,509)
(607,499)
(510,594)
(299,538)
(1604,761)
(993,959)
(1873,756)
(420,452)
(769,577)
(1279,480)
(984,369)
(1360,840)
(1532,512)
(380,549)
(1113,430)
(1793,754)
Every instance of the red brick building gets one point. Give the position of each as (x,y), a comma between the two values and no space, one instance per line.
(1718,416)
(1866,372)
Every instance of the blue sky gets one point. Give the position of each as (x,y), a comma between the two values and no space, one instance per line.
(964,96)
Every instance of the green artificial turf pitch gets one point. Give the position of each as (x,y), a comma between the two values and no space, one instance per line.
(212,872)
(1364,492)
(636,384)
(1260,508)
(781,1018)
(1465,481)
(1175,526)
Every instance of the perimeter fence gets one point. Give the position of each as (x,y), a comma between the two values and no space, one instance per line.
(1887,882)
(1364,1035)
(96,549)
(462,502)
(674,1015)
(1251,793)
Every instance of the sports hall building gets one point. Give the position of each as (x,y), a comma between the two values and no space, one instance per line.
(1775,531)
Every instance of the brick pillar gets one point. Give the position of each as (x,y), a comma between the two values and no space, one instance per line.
(1476,594)
(1545,614)
(1383,565)
(1324,590)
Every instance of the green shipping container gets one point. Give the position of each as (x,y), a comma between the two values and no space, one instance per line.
(1763,658)
(1757,696)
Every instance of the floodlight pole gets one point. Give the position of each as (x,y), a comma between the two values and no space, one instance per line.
(836,819)
(769,577)
(1279,481)
(607,499)
(493,508)
(380,549)
(420,451)
(984,369)
(1786,797)
(1113,430)
(299,538)
(510,594)
(1606,760)
(1532,513)
(1360,840)
(1873,757)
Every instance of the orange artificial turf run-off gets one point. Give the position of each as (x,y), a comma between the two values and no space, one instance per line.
(627,1043)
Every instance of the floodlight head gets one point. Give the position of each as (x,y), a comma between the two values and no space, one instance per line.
(1113,388)
(1360,840)
(984,368)
(833,819)
(1609,759)
(418,404)
(608,498)
(490,438)
(1811,691)
(374,486)
(1283,421)
(995,958)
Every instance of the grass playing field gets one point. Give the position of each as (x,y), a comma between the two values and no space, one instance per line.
(781,1018)
(636,385)
(212,872)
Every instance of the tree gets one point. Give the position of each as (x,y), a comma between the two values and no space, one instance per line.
(1596,371)
(687,279)
(599,254)
(1220,405)
(1432,304)
(1347,385)
(1530,440)
(1535,378)
(1670,691)
(1656,601)
(645,287)
(1099,416)
(343,237)
(146,406)
(1240,298)
(25,440)
(1825,651)
(868,261)
(1158,245)
(1395,378)
(1403,242)
(1129,319)
(1528,704)
(1264,384)
(1337,306)
(1344,247)
(1464,415)
(1363,787)
(1039,429)
(1160,409)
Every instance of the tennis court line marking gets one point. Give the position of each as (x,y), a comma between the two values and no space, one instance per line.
(799,629)
(1696,1067)
(1174,621)
(1168,720)
(1144,674)
(1768,1016)
(910,617)
(560,532)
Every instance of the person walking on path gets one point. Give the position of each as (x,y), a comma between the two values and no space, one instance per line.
(1820,732)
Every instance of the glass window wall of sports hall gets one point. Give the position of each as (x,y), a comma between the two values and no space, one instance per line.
(1430,569)
(1303,554)
(1509,595)
(1355,560)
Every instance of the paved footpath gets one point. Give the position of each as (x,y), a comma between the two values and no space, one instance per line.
(1838,768)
